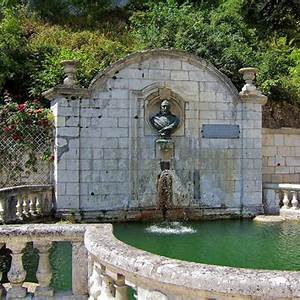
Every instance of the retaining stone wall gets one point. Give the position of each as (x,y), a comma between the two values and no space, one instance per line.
(281,155)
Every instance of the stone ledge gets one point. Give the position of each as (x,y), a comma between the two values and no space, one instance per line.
(268,219)
(283,130)
(185,279)
(282,186)
(290,214)
(50,232)
(65,90)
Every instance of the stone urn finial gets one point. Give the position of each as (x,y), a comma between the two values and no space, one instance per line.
(249,92)
(70,70)
(248,76)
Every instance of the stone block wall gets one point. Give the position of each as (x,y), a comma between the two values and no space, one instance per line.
(106,159)
(281,155)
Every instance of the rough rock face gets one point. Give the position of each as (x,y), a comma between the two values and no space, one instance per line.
(281,114)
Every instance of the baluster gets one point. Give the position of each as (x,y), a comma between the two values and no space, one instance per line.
(39,203)
(19,206)
(32,204)
(43,273)
(150,294)
(121,288)
(285,200)
(16,274)
(2,209)
(107,288)
(49,201)
(26,206)
(95,283)
(294,201)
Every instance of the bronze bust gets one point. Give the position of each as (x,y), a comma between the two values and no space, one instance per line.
(164,121)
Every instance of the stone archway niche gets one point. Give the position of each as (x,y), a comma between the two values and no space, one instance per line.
(152,106)
(106,166)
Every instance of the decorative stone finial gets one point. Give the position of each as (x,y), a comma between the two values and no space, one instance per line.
(249,92)
(70,70)
(248,76)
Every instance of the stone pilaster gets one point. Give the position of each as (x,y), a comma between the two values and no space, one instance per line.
(65,104)
(252,101)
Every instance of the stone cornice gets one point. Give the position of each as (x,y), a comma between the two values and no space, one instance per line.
(68,91)
(255,98)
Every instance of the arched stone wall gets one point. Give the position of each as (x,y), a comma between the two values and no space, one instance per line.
(118,163)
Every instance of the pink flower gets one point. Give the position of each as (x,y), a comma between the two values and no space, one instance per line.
(7,129)
(16,137)
(21,107)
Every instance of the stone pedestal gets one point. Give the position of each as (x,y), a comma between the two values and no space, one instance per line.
(164,149)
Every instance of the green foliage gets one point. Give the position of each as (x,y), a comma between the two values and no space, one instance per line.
(295,72)
(32,51)
(52,44)
(228,33)
(14,54)
(220,36)
(274,70)
(223,37)
(70,12)
(274,17)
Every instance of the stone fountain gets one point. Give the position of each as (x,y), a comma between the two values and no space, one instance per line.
(165,123)
(122,151)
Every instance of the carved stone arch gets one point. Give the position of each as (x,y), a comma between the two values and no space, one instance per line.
(136,58)
(152,96)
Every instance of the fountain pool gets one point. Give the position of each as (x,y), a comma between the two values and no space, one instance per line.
(236,243)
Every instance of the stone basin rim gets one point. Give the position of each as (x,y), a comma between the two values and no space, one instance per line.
(166,274)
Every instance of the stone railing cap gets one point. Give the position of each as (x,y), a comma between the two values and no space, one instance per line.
(186,278)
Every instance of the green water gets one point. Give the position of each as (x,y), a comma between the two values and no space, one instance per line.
(236,243)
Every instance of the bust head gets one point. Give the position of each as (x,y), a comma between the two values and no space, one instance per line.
(164,121)
(165,107)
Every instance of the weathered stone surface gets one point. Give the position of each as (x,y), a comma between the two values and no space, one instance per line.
(281,154)
(113,117)
(157,276)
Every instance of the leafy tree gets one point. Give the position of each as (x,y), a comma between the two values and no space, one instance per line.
(280,17)
(220,37)
(14,55)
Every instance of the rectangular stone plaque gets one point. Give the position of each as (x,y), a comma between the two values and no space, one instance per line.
(220,131)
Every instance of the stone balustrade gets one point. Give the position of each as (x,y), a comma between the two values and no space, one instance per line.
(15,238)
(114,266)
(103,268)
(24,203)
(283,199)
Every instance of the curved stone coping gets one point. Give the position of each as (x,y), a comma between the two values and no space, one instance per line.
(282,186)
(146,54)
(25,187)
(187,279)
(47,232)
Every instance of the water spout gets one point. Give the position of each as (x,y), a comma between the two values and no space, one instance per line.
(164,192)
